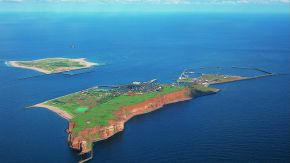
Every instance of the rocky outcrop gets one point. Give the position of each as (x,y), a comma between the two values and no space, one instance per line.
(83,140)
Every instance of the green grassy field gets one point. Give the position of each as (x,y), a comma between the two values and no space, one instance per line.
(95,107)
(185,80)
(212,78)
(201,88)
(51,64)
(81,102)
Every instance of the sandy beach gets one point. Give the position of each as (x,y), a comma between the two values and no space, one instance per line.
(58,111)
(84,62)
(15,64)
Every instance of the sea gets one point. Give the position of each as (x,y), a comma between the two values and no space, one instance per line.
(248,121)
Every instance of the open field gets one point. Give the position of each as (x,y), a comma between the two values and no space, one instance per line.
(217,78)
(207,79)
(93,107)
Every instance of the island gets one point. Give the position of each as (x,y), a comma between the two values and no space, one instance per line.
(99,112)
(53,65)
(95,114)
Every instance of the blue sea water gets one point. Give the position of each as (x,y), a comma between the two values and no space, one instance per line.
(248,121)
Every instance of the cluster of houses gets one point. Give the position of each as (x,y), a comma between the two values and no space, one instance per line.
(138,87)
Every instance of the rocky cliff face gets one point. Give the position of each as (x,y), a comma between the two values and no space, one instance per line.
(83,139)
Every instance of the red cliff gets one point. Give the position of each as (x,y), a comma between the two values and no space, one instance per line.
(83,139)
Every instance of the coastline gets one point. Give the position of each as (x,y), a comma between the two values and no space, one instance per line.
(116,125)
(82,61)
(83,140)
(56,110)
(15,64)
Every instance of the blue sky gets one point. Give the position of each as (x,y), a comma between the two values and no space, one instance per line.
(147,5)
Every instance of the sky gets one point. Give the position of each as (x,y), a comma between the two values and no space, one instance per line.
(265,6)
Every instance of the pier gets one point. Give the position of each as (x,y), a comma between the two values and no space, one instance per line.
(91,153)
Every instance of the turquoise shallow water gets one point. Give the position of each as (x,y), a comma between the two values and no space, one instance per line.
(247,121)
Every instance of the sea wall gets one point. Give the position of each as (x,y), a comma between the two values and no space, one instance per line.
(83,140)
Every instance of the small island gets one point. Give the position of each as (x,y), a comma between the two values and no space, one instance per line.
(100,112)
(53,65)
